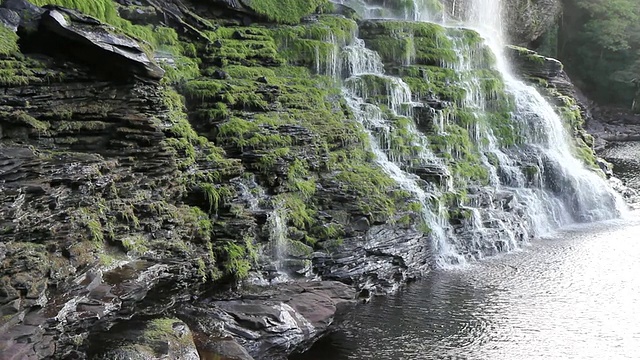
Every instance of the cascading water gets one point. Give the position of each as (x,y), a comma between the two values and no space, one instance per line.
(256,200)
(512,207)
(278,237)
(585,196)
(362,64)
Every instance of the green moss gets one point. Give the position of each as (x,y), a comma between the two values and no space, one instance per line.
(236,259)
(409,42)
(24,119)
(300,215)
(461,154)
(91,222)
(187,143)
(161,331)
(215,195)
(135,244)
(284,11)
(8,42)
(199,221)
(299,180)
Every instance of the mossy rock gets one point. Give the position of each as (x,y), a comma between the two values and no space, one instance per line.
(284,11)
(153,339)
(8,42)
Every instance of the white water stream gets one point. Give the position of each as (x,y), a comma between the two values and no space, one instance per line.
(512,209)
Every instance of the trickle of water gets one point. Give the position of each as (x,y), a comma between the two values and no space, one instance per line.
(278,237)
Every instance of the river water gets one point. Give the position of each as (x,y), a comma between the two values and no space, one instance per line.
(573,295)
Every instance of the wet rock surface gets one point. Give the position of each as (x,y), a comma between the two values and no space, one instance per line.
(525,20)
(377,262)
(158,219)
(267,322)
(108,232)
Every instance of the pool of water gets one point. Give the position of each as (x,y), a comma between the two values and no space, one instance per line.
(572,296)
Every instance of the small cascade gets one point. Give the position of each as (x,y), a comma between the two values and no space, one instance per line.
(277,252)
(278,237)
(251,193)
(364,80)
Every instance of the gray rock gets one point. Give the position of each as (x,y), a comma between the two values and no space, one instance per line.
(165,338)
(97,44)
(269,322)
(9,18)
(28,14)
(381,260)
(223,348)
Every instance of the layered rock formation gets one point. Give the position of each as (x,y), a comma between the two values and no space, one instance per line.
(121,199)
(161,162)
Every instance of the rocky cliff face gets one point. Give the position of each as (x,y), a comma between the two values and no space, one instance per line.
(161,161)
(124,196)
(525,20)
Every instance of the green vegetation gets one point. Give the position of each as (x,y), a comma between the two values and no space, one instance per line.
(598,41)
(152,38)
(260,102)
(284,11)
(8,42)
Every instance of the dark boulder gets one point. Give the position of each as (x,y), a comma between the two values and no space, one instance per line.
(269,322)
(28,14)
(380,261)
(163,338)
(87,40)
(70,35)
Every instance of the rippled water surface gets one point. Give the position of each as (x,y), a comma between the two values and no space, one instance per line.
(572,296)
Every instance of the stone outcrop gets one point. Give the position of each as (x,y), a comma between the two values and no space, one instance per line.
(87,40)
(525,20)
(268,322)
(125,198)
(378,262)
(614,124)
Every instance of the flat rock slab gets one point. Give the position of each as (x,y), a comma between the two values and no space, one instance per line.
(270,322)
(100,41)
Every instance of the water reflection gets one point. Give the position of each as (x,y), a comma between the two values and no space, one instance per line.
(573,296)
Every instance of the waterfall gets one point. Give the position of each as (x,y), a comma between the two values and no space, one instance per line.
(278,237)
(254,198)
(363,68)
(586,196)
(517,203)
